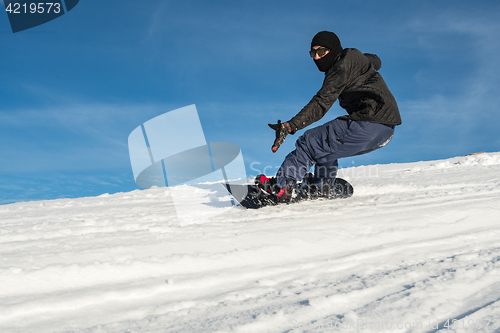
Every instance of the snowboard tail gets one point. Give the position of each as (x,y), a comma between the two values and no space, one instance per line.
(249,196)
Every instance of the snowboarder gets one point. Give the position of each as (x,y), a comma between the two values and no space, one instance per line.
(351,77)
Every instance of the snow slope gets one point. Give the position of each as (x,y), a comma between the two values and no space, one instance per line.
(416,249)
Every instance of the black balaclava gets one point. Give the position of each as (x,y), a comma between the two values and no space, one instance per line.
(330,40)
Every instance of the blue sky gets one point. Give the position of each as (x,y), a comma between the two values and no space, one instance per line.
(74,88)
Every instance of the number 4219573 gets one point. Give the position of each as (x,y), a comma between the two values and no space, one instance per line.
(40,8)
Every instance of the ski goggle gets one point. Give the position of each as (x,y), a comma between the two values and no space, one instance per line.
(321,52)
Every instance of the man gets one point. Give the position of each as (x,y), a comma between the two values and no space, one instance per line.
(351,77)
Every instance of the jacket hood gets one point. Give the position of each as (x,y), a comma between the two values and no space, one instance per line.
(331,41)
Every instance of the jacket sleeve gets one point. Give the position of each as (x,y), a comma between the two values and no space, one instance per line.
(333,85)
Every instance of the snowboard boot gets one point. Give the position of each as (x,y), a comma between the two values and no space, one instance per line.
(328,186)
(279,195)
(268,185)
(284,195)
(308,189)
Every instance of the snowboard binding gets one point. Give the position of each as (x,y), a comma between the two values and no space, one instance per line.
(333,188)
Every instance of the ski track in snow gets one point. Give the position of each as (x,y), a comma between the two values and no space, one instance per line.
(416,249)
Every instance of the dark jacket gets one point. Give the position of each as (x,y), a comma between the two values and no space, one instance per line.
(354,80)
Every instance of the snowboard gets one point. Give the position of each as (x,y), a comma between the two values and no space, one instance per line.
(253,197)
(249,196)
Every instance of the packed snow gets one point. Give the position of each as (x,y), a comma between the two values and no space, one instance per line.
(416,249)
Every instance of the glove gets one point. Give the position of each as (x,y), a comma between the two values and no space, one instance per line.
(282,130)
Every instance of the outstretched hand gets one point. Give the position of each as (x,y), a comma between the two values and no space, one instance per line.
(282,130)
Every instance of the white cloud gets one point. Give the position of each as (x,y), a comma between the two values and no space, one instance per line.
(157,20)
(479,36)
(456,111)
